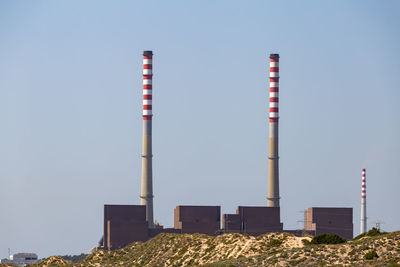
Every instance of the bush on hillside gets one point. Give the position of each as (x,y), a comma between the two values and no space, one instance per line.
(373,232)
(74,258)
(275,242)
(371,255)
(327,239)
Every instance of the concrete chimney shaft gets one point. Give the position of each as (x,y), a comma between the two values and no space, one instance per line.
(146,196)
(363,222)
(273,157)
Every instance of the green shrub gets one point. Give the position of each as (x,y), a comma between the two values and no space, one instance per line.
(373,232)
(364,247)
(371,255)
(274,242)
(284,255)
(327,239)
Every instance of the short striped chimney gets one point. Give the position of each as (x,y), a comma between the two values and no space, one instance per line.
(273,157)
(146,196)
(363,223)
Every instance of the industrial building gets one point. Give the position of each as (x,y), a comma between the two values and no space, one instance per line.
(324,220)
(124,224)
(198,219)
(253,220)
(21,259)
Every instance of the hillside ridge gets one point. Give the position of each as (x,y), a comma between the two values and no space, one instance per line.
(276,249)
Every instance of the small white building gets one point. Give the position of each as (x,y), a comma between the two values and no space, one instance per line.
(21,259)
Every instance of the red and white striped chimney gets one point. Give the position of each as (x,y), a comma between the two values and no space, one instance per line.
(147,85)
(363,223)
(274,88)
(146,195)
(273,157)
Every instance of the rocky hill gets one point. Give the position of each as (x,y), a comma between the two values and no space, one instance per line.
(279,249)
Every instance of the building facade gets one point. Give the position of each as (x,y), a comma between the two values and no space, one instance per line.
(326,220)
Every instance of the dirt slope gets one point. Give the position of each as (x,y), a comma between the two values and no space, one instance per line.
(241,250)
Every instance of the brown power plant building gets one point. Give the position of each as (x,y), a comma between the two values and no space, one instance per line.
(253,220)
(198,219)
(124,224)
(329,221)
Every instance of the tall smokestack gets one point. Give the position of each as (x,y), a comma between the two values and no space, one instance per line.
(363,223)
(146,196)
(273,157)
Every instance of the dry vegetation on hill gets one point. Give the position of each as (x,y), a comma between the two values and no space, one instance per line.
(279,249)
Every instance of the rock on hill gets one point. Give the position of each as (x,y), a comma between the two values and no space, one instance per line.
(279,249)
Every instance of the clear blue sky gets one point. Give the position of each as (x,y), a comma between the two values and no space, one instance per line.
(70,111)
